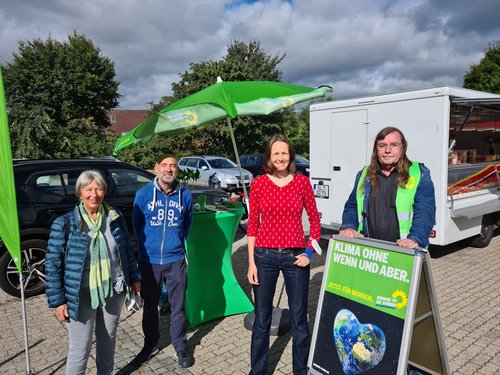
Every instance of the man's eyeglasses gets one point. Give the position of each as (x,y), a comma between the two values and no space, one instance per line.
(383,146)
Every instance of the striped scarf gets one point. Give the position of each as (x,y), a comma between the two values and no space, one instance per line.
(100,283)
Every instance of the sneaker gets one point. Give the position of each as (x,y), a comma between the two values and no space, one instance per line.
(143,357)
(185,359)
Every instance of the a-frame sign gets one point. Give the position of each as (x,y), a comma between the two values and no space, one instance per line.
(377,312)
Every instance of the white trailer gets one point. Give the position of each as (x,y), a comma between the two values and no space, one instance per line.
(453,131)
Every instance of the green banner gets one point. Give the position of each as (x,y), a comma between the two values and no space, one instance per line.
(9,225)
(374,277)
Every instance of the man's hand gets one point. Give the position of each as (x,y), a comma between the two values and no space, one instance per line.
(62,313)
(409,244)
(351,233)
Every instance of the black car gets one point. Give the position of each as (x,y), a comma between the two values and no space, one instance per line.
(45,189)
(255,164)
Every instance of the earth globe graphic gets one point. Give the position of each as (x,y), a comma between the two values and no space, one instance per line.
(360,347)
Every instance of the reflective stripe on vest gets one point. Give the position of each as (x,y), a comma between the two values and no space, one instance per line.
(404,199)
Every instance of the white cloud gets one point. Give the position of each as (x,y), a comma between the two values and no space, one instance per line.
(358,47)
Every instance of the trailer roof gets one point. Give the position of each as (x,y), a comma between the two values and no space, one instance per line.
(455,92)
(476,114)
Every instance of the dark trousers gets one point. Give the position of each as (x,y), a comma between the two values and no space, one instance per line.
(269,263)
(175,277)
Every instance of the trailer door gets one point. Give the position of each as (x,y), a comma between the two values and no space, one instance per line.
(349,155)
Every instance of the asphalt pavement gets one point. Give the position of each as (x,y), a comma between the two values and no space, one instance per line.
(467,282)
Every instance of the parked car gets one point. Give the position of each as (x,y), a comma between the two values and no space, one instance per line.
(255,164)
(302,165)
(45,190)
(216,171)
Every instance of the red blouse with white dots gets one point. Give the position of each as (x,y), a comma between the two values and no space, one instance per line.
(276,213)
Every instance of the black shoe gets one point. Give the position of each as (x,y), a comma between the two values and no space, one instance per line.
(165,309)
(143,357)
(185,359)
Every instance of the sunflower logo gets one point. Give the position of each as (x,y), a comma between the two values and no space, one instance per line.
(288,102)
(191,117)
(402,298)
(411,183)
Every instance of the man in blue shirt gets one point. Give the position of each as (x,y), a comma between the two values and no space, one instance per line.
(162,217)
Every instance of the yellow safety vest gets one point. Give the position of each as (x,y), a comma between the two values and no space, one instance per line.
(404,199)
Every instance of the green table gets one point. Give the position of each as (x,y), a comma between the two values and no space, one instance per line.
(213,290)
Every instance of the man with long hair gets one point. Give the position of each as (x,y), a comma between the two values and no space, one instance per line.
(393,197)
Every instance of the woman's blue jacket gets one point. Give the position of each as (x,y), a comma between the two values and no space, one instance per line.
(65,259)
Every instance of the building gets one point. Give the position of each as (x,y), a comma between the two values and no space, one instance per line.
(124,120)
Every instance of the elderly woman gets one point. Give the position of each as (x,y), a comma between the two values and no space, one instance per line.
(89,264)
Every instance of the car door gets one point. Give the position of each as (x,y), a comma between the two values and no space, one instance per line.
(205,172)
(50,196)
(123,184)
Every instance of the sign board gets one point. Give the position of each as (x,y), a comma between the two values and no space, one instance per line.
(377,312)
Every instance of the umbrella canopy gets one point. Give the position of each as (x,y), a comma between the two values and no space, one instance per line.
(220,100)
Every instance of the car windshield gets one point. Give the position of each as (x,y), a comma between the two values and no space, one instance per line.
(221,163)
(300,159)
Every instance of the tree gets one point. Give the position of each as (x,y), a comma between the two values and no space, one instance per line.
(243,62)
(485,76)
(57,96)
(297,130)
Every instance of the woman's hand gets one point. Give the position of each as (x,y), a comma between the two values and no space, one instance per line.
(136,287)
(302,260)
(62,313)
(252,275)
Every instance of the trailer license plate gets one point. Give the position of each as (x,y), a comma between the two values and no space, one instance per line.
(321,191)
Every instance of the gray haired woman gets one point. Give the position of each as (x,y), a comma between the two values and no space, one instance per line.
(90,262)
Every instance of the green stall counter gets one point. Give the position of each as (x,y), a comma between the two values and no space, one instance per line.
(213,291)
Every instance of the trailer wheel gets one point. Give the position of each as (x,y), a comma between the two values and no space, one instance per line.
(487,228)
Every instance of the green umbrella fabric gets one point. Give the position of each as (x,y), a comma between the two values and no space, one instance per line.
(9,224)
(220,100)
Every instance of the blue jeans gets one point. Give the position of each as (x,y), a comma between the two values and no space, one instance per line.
(269,263)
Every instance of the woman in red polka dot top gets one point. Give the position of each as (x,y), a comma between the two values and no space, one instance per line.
(276,243)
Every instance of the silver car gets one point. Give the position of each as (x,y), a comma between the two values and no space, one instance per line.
(216,171)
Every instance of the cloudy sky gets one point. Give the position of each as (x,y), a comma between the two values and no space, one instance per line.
(359,47)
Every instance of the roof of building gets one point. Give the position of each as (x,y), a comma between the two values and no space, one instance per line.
(124,120)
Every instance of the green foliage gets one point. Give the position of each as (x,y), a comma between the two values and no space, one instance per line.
(485,76)
(57,96)
(243,62)
(297,130)
(188,175)
(297,127)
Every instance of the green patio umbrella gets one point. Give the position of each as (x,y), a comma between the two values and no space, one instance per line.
(221,100)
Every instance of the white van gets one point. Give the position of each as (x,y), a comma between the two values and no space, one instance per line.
(453,131)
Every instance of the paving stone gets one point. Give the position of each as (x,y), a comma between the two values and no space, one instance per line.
(466,281)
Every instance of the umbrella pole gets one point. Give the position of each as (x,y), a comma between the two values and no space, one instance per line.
(238,162)
(25,325)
